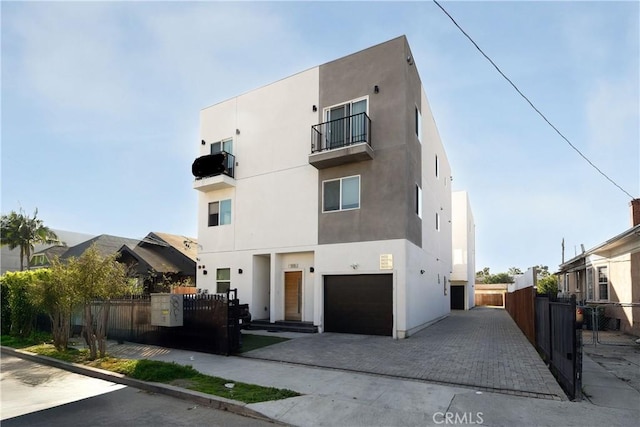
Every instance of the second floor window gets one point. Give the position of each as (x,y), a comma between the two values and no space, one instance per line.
(341,194)
(219,213)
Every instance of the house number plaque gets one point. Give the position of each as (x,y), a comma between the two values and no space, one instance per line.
(386,262)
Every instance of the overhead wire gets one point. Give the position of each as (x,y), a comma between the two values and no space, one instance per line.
(531,103)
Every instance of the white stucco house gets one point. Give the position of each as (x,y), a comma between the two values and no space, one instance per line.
(325,198)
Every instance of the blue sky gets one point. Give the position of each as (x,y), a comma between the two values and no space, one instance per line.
(101,102)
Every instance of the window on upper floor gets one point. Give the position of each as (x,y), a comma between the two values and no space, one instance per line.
(219,213)
(603,283)
(418,122)
(418,201)
(224,145)
(341,194)
(223,280)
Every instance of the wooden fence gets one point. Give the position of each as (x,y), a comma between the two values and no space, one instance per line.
(207,326)
(521,306)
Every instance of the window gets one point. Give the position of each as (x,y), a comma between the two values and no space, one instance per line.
(418,124)
(418,201)
(223,280)
(346,123)
(224,145)
(341,194)
(37,260)
(219,213)
(437,221)
(603,283)
(589,284)
(437,167)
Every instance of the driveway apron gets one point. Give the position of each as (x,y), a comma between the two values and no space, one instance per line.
(480,348)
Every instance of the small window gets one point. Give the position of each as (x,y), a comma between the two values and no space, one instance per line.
(418,122)
(437,221)
(437,167)
(223,280)
(418,201)
(589,284)
(224,145)
(341,194)
(219,213)
(603,283)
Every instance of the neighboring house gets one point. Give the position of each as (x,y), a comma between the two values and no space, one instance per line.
(44,257)
(325,198)
(105,244)
(609,275)
(10,259)
(464,252)
(161,258)
(156,260)
(520,281)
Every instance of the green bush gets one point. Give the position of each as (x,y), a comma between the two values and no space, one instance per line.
(5,311)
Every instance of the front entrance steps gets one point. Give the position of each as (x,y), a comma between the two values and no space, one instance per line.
(284,326)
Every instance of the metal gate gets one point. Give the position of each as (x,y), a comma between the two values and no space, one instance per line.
(559,340)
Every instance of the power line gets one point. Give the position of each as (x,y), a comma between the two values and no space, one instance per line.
(531,103)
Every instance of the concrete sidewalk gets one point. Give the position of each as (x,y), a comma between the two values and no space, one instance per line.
(338,398)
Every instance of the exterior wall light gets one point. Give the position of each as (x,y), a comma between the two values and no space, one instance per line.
(314,108)
(311,270)
(421,271)
(376,89)
(237,131)
(203,142)
(239,271)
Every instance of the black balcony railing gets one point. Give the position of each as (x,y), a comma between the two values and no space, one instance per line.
(340,133)
(214,164)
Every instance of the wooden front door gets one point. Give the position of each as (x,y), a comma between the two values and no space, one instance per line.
(293,295)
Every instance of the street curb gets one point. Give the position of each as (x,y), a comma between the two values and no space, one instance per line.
(203,399)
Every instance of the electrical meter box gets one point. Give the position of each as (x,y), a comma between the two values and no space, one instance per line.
(166,310)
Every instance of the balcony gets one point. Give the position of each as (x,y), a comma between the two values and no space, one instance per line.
(341,141)
(214,171)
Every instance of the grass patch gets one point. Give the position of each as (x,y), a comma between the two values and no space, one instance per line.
(169,373)
(253,342)
(21,342)
(72,355)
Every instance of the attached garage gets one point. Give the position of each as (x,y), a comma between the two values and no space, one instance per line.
(457,297)
(359,304)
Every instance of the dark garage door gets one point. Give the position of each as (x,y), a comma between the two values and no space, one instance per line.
(359,304)
(457,298)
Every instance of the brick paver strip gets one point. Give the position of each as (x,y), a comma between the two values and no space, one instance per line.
(481,348)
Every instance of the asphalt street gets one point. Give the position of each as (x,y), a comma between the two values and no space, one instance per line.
(40,395)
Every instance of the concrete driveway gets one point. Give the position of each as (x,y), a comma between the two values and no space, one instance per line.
(481,348)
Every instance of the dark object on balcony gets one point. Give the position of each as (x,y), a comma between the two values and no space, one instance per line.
(213,164)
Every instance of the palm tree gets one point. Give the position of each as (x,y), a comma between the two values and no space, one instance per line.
(20,230)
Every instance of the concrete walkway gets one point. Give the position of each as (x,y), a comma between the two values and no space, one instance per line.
(481,348)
